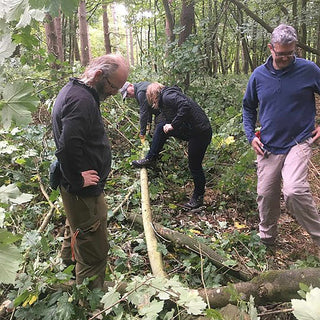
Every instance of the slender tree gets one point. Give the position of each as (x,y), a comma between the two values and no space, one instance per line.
(51,39)
(84,36)
(107,43)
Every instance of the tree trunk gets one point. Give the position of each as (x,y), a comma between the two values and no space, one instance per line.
(303,27)
(186,20)
(155,257)
(169,21)
(268,287)
(52,40)
(84,37)
(58,28)
(107,43)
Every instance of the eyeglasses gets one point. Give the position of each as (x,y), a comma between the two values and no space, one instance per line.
(111,85)
(283,54)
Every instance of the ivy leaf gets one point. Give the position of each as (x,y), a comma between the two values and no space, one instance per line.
(308,309)
(10,259)
(18,103)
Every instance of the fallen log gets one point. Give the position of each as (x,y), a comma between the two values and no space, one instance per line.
(196,246)
(270,286)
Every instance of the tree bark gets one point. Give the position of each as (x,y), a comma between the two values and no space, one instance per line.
(58,28)
(169,21)
(107,43)
(84,37)
(186,20)
(155,257)
(268,287)
(52,40)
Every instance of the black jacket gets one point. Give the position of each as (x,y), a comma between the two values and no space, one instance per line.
(182,112)
(146,111)
(80,137)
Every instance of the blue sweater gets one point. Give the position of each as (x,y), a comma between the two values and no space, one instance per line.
(286,103)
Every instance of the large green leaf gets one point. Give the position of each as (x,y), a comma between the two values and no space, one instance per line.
(11,193)
(308,309)
(10,259)
(18,104)
(6,47)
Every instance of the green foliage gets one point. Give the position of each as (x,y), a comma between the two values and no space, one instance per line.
(308,309)
(18,103)
(148,295)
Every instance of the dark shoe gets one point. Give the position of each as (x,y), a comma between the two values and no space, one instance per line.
(194,202)
(146,162)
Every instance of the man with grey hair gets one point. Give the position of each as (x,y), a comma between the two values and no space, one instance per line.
(281,94)
(84,154)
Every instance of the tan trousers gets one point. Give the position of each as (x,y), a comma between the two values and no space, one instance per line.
(85,238)
(292,170)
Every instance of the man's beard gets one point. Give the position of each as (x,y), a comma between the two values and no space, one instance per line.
(100,88)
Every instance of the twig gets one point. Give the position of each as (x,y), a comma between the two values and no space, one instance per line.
(202,278)
(275,312)
(52,207)
(126,198)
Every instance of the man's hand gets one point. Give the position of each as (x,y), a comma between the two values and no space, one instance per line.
(90,178)
(316,134)
(257,146)
(167,127)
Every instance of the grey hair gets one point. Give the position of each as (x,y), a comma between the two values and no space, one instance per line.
(108,64)
(284,34)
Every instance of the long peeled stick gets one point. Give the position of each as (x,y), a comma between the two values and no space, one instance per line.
(152,244)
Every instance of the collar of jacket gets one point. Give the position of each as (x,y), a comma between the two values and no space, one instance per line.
(76,81)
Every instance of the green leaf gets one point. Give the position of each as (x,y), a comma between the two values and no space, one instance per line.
(18,104)
(11,193)
(7,47)
(151,310)
(214,314)
(308,309)
(10,259)
(65,309)
(192,302)
(7,237)
(110,298)
(14,9)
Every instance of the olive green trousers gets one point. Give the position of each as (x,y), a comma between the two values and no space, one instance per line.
(85,238)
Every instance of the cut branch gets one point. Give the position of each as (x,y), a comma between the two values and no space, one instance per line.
(196,246)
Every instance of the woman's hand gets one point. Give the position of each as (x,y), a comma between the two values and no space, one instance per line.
(167,127)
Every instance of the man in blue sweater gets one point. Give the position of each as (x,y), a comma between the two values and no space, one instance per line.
(281,94)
